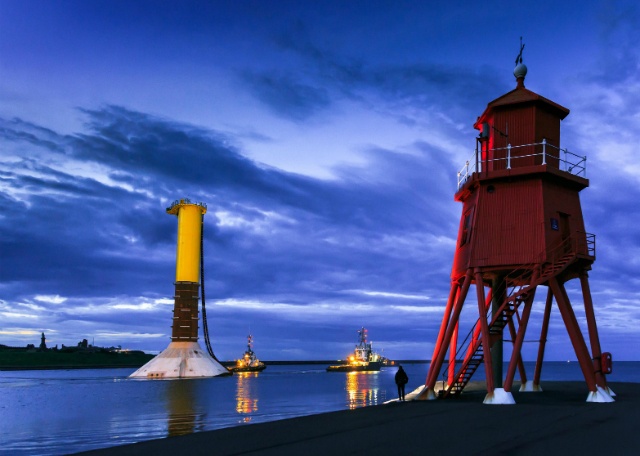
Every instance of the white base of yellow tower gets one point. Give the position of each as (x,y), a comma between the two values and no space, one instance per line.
(181,360)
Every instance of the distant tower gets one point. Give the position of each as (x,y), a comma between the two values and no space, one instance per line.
(43,343)
(183,357)
(521,229)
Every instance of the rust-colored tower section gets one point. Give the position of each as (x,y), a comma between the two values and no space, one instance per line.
(521,228)
(185,312)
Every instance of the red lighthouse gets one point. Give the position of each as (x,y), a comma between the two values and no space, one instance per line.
(521,230)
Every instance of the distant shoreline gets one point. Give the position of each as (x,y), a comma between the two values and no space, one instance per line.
(138,364)
(331,361)
(31,368)
(13,360)
(224,363)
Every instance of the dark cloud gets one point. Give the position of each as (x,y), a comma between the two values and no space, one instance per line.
(610,208)
(620,33)
(322,77)
(98,237)
(287,97)
(455,89)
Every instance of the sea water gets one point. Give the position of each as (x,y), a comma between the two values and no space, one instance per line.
(53,412)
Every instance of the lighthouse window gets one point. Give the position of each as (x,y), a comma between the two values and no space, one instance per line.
(466,228)
(491,189)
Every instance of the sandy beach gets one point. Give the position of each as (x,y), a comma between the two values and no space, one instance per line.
(555,421)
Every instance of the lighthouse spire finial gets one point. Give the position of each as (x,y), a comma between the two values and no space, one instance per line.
(519,58)
(520,70)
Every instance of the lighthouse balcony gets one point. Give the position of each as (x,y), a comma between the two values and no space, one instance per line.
(501,160)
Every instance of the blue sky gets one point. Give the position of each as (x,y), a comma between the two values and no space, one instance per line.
(324,137)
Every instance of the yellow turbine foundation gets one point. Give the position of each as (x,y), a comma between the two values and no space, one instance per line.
(184,357)
(189,239)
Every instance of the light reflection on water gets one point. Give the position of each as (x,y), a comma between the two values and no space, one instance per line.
(183,417)
(246,394)
(363,388)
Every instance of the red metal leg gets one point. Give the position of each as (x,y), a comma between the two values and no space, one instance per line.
(484,329)
(575,334)
(593,330)
(453,348)
(513,334)
(435,366)
(517,345)
(453,295)
(476,330)
(543,337)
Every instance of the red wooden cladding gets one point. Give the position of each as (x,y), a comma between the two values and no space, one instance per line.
(508,228)
(514,218)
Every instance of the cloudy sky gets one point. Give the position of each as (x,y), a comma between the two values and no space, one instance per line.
(324,137)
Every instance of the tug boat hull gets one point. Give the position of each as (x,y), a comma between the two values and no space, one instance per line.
(249,368)
(369,367)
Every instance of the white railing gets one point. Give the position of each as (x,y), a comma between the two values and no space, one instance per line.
(549,155)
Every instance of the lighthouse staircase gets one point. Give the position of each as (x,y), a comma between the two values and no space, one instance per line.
(520,284)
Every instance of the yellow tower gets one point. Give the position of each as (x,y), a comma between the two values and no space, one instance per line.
(183,357)
(188,249)
(189,239)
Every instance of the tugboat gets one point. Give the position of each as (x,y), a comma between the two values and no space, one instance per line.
(362,359)
(249,362)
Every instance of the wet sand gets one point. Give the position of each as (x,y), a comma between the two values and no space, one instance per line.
(555,421)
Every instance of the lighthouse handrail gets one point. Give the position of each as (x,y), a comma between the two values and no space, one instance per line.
(567,161)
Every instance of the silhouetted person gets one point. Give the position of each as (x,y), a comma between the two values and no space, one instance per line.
(401,380)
